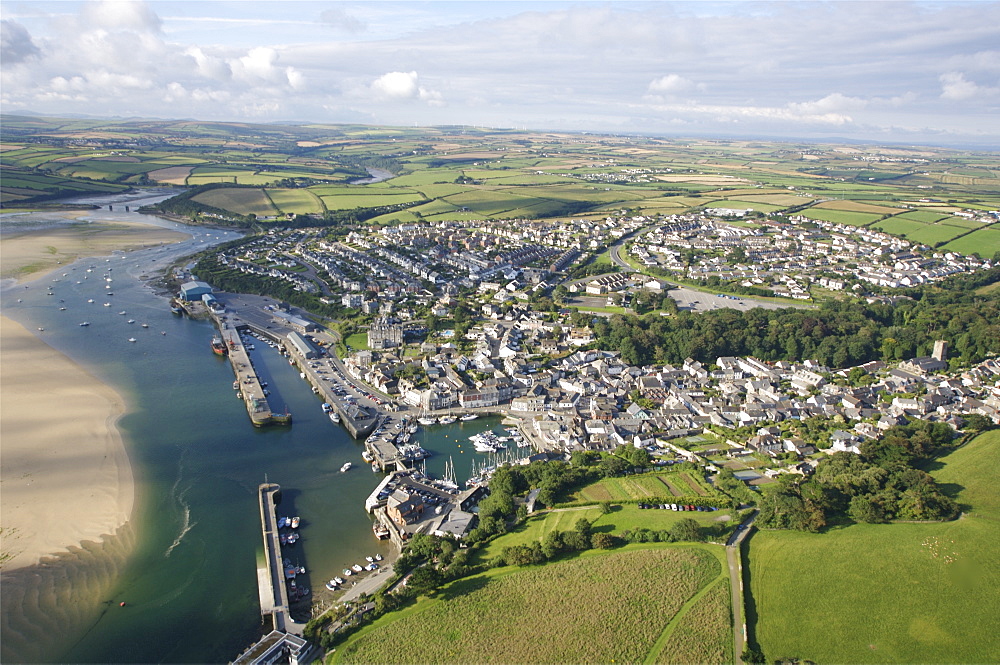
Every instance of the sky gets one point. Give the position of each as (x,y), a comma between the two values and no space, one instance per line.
(903,72)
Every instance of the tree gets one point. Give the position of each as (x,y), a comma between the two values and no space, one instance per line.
(685,530)
(552,544)
(603,541)
(424,579)
(866,509)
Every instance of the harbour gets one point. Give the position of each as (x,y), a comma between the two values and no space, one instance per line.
(198,463)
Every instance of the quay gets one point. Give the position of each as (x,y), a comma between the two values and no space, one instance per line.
(247,381)
(270,579)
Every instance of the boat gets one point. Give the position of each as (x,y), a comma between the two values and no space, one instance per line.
(334,417)
(447,420)
(347,572)
(282,522)
(62,309)
(132,339)
(331,586)
(338,580)
(293,522)
(131,321)
(378,557)
(380,530)
(347,465)
(145,325)
(85,324)
(426,421)
(122,313)
(107,304)
(367,456)
(469,416)
(326,407)
(88,300)
(357,568)
(218,348)
(163,332)
(370,559)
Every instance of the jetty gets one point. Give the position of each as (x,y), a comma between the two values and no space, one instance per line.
(247,381)
(271,579)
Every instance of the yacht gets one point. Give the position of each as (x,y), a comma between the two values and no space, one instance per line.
(469,416)
(347,465)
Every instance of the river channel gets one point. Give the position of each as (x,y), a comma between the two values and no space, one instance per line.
(189,579)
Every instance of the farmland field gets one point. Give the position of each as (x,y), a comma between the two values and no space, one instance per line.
(637,488)
(923,216)
(298,201)
(889,593)
(899,227)
(841,216)
(984,242)
(932,234)
(604,608)
(367,200)
(621,518)
(704,633)
(239,200)
(854,206)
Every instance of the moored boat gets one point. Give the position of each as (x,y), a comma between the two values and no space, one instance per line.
(469,416)
(334,417)
(218,348)
(294,522)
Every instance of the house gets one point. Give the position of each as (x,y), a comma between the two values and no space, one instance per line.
(404,508)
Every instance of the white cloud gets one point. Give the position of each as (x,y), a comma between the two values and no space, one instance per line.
(122,14)
(402,86)
(339,19)
(956,87)
(671,84)
(16,44)
(832,103)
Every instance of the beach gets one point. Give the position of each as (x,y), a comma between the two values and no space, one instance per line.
(65,477)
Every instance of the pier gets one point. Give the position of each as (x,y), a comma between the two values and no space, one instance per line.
(248,383)
(270,579)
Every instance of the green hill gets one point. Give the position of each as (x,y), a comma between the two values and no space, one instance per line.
(892,593)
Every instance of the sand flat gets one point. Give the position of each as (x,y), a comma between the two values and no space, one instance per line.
(64,472)
(33,253)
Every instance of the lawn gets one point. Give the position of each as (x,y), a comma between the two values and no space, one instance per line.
(604,608)
(358,341)
(895,593)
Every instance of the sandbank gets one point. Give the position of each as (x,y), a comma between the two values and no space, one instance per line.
(65,477)
(35,252)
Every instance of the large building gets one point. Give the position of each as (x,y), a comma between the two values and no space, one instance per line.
(384,333)
(194,290)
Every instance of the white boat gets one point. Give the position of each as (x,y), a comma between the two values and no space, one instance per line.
(369,559)
(122,312)
(88,300)
(334,417)
(378,557)
(107,304)
(347,465)
(145,325)
(469,416)
(357,568)
(85,324)
(132,339)
(40,329)
(331,586)
(447,420)
(347,572)
(131,321)
(426,421)
(62,309)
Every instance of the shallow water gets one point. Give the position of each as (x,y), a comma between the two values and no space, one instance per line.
(185,565)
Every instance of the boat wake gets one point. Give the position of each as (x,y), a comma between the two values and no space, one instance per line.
(186,523)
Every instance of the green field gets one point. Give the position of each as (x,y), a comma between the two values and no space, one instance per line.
(621,518)
(619,607)
(298,201)
(238,200)
(895,593)
(638,488)
(984,242)
(841,216)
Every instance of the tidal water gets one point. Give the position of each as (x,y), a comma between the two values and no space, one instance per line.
(188,577)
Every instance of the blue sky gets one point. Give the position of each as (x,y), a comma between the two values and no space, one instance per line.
(884,71)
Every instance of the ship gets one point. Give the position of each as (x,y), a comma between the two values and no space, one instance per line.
(218,348)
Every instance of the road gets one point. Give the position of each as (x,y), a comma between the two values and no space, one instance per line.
(736,585)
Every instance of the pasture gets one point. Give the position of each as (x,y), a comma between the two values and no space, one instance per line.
(238,200)
(621,518)
(604,607)
(661,486)
(889,593)
(984,242)
(840,216)
(298,201)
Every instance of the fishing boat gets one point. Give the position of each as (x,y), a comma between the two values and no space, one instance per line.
(294,522)
(218,348)
(282,522)
(326,407)
(367,456)
(347,465)
(334,417)
(380,530)
(469,416)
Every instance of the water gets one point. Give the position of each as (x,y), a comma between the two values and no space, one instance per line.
(189,582)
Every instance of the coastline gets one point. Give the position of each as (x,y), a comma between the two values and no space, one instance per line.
(66,478)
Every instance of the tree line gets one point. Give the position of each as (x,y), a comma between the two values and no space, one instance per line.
(881,484)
